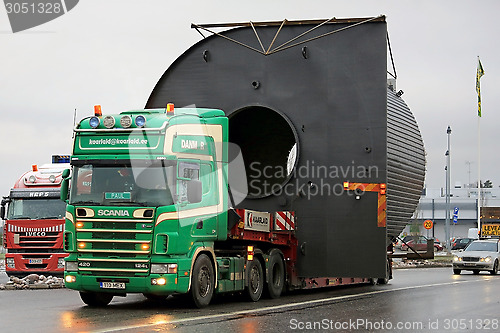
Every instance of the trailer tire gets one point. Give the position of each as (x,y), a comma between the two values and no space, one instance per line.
(95,299)
(202,281)
(276,275)
(255,278)
(385,280)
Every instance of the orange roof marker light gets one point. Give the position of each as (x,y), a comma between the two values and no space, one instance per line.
(170,109)
(97,111)
(34,167)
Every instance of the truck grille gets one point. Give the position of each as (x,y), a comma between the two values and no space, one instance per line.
(114,247)
(47,241)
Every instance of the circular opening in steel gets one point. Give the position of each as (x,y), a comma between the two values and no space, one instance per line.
(268,143)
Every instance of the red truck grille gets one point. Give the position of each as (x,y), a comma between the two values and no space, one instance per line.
(48,240)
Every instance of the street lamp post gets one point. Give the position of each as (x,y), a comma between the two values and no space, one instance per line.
(447,208)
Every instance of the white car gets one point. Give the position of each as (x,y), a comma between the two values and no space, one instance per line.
(479,255)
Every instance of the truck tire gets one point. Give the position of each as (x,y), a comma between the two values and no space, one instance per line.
(494,271)
(385,280)
(255,278)
(95,299)
(276,276)
(202,281)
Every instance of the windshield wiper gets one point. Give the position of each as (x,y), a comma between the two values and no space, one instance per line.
(89,202)
(50,217)
(127,203)
(20,218)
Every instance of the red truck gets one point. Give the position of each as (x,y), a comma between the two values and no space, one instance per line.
(34,221)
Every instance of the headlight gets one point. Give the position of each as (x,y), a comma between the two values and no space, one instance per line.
(60,263)
(70,278)
(109,122)
(487,259)
(126,121)
(457,258)
(10,263)
(71,266)
(163,268)
(94,122)
(140,121)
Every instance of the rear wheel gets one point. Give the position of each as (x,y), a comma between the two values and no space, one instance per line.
(494,271)
(202,281)
(457,271)
(385,279)
(95,299)
(276,278)
(255,278)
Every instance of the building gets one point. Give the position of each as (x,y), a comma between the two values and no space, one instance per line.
(432,206)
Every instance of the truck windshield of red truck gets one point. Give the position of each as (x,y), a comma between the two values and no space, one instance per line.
(36,209)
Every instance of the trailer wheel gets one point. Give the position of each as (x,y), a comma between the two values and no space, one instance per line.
(276,278)
(95,299)
(255,278)
(385,280)
(202,281)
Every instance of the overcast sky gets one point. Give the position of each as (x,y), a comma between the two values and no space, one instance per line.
(113,52)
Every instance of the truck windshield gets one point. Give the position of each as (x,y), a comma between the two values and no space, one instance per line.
(126,184)
(36,209)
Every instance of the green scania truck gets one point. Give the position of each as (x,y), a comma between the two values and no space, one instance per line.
(149,202)
(296,168)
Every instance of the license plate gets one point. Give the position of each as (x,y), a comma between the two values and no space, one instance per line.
(36,261)
(113,285)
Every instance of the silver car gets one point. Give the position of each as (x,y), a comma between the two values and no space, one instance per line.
(479,255)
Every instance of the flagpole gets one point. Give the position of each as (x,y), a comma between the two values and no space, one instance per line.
(479,74)
(479,174)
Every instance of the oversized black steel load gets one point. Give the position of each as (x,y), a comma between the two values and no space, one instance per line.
(307,103)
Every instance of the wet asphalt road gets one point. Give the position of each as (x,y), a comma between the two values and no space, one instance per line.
(431,299)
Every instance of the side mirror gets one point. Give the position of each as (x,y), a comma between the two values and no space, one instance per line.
(194,191)
(65,185)
(2,211)
(66,173)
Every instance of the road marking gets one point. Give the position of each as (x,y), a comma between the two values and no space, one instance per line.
(276,308)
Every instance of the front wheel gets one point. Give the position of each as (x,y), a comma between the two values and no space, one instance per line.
(202,281)
(255,278)
(95,299)
(457,271)
(494,271)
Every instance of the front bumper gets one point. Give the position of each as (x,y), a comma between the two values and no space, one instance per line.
(483,266)
(142,284)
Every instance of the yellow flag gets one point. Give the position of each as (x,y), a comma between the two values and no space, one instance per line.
(479,73)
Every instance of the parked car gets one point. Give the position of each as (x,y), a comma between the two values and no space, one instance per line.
(461,243)
(419,243)
(479,255)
